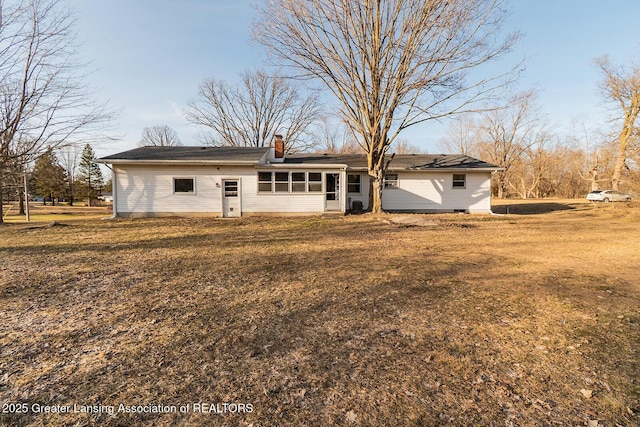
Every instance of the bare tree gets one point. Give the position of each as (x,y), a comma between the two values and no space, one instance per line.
(43,99)
(69,157)
(334,137)
(507,134)
(251,114)
(391,64)
(159,136)
(463,136)
(621,86)
(403,146)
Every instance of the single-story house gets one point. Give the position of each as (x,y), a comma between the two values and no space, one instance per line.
(238,181)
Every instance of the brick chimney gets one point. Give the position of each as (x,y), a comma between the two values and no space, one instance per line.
(278,144)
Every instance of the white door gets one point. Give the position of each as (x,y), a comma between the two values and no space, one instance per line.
(231,198)
(332,192)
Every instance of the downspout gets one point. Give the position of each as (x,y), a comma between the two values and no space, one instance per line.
(114,186)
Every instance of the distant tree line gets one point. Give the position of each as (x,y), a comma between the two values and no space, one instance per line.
(76,177)
(538,163)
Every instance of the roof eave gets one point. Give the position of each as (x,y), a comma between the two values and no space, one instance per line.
(180,162)
(445,169)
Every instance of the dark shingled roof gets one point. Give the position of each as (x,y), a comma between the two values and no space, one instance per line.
(189,153)
(250,155)
(414,162)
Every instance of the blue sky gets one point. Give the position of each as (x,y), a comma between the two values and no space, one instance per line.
(149,56)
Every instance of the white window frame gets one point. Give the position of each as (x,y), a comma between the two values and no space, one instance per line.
(264,182)
(183,193)
(281,182)
(359,183)
(302,183)
(290,182)
(463,181)
(391,183)
(321,182)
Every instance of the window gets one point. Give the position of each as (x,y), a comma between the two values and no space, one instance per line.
(184,185)
(289,182)
(391,180)
(264,182)
(282,182)
(459,180)
(315,182)
(353,184)
(231,189)
(298,182)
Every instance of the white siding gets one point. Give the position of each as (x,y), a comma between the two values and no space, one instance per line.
(149,190)
(433,191)
(254,202)
(363,196)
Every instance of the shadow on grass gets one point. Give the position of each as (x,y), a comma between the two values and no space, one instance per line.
(531,208)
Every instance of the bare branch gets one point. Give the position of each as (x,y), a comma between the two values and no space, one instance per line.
(390,64)
(621,86)
(159,136)
(44,100)
(251,114)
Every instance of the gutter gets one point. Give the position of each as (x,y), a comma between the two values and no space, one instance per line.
(114,185)
(179,162)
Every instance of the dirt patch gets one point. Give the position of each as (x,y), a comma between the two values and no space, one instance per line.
(480,320)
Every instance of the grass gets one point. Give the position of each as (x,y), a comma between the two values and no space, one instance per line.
(518,320)
(41,213)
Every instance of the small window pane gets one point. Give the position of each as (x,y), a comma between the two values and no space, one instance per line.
(315,176)
(282,176)
(282,187)
(231,189)
(264,187)
(183,185)
(264,176)
(315,187)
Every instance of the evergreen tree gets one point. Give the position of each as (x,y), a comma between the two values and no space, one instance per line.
(89,174)
(48,177)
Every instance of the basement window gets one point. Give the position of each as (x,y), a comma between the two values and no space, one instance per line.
(459,180)
(184,185)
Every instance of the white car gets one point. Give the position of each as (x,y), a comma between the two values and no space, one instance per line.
(608,196)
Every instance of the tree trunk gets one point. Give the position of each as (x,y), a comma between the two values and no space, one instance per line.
(1,201)
(21,195)
(594,179)
(377,183)
(617,170)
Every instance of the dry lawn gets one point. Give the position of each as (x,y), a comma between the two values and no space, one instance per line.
(518,320)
